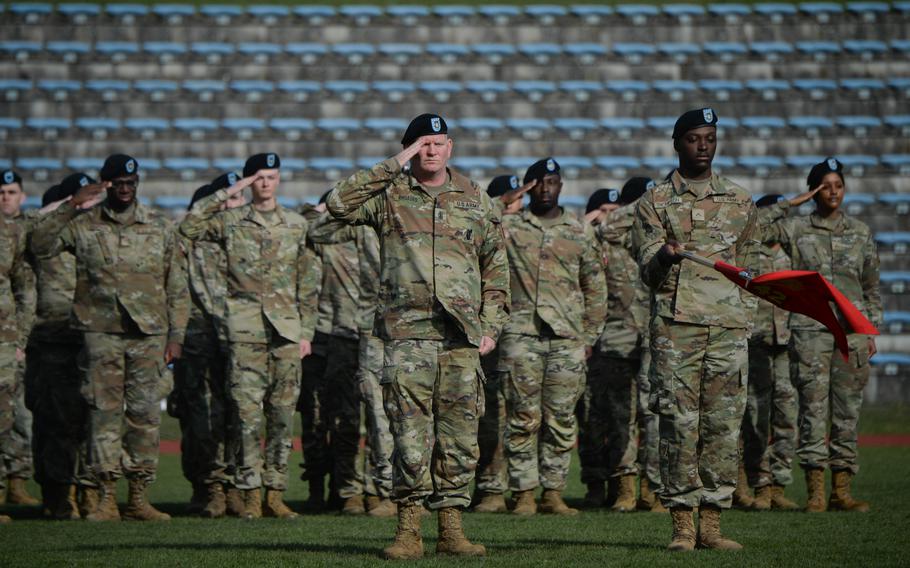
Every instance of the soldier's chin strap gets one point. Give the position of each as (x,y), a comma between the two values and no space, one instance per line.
(744,273)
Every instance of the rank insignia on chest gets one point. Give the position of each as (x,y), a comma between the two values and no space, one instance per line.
(440,215)
(698,214)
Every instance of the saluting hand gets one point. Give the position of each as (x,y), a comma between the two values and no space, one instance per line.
(405,155)
(242,184)
(514,195)
(804,197)
(90,195)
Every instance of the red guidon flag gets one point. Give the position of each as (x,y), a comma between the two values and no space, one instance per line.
(801,291)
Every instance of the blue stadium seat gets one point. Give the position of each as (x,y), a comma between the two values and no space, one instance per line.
(339,128)
(147,128)
(725,51)
(637,13)
(761,165)
(188,168)
(252,90)
(634,52)
(300,90)
(109,89)
(679,51)
(454,14)
(585,52)
(517,163)
(204,89)
(482,128)
(775,11)
(529,128)
(166,51)
(676,90)
(725,123)
(489,91)
(442,91)
(541,53)
(901,84)
(863,88)
(592,14)
(856,203)
(897,242)
(629,90)
(211,50)
(79,13)
(243,128)
(576,128)
(816,88)
(156,89)
(894,282)
(308,53)
(803,162)
(723,163)
(868,11)
(534,90)
(362,14)
(286,201)
(292,128)
(315,14)
(401,53)
(897,202)
(495,53)
(5,163)
(31,11)
(822,11)
(39,168)
(126,13)
(769,89)
(684,13)
(448,52)
(70,51)
(860,125)
(721,89)
(661,165)
(618,166)
(764,126)
(269,15)
(355,53)
(387,128)
(731,13)
(811,125)
(819,50)
(502,14)
(898,122)
(771,50)
(84,164)
(867,48)
(581,90)
(394,91)
(662,124)
(899,162)
(347,91)
(174,13)
(890,363)
(172,202)
(232,164)
(573,166)
(59,89)
(222,14)
(261,52)
(546,14)
(623,127)
(117,50)
(99,127)
(197,128)
(408,15)
(475,166)
(8,125)
(22,50)
(331,168)
(901,45)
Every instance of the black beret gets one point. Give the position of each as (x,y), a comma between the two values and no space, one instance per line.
(693,119)
(118,165)
(224,181)
(602,197)
(9,176)
(71,184)
(768,200)
(51,195)
(261,162)
(424,125)
(635,188)
(502,185)
(822,169)
(541,168)
(201,193)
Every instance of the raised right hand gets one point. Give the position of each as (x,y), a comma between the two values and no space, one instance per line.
(90,195)
(405,155)
(804,197)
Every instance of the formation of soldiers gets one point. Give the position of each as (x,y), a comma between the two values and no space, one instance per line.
(462,331)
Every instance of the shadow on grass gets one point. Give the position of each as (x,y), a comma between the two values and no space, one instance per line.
(339,548)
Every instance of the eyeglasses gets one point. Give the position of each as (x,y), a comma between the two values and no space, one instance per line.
(127,183)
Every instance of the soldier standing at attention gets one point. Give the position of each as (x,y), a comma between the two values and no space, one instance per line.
(699,349)
(559,301)
(444,296)
(269,323)
(16,446)
(842,250)
(131,305)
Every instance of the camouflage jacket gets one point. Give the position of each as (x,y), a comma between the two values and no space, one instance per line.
(55,280)
(128,275)
(320,292)
(627,297)
(17,284)
(206,270)
(442,255)
(557,277)
(771,322)
(841,249)
(721,225)
(268,275)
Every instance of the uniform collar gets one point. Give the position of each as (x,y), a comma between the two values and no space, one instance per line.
(256,217)
(563,219)
(140,214)
(448,186)
(834,224)
(715,186)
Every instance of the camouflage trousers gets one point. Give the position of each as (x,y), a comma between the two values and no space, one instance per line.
(314,432)
(7,397)
(825,381)
(433,397)
(378,472)
(207,417)
(648,424)
(264,385)
(770,415)
(545,379)
(491,465)
(698,376)
(124,383)
(607,428)
(342,414)
(16,447)
(60,440)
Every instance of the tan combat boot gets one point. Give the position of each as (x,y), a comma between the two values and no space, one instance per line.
(408,543)
(107,504)
(841,500)
(596,497)
(88,500)
(491,503)
(524,503)
(138,508)
(815,489)
(779,502)
(274,506)
(658,507)
(683,530)
(17,493)
(233,499)
(216,506)
(625,498)
(64,506)
(646,497)
(252,504)
(551,502)
(709,530)
(741,497)
(4,519)
(353,505)
(762,501)
(383,508)
(451,535)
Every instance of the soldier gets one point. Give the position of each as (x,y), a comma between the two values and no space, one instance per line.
(609,448)
(16,447)
(200,386)
(131,305)
(698,328)
(842,250)
(60,441)
(16,318)
(558,310)
(444,298)
(269,324)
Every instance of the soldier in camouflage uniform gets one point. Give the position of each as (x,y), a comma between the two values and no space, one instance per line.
(60,441)
(558,310)
(16,447)
(698,328)
(131,305)
(444,298)
(269,324)
(16,318)
(842,250)
(200,387)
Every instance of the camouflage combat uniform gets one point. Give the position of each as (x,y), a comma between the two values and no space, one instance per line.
(698,336)
(843,251)
(608,439)
(558,308)
(130,299)
(443,285)
(266,318)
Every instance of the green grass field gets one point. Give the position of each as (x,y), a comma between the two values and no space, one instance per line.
(595,538)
